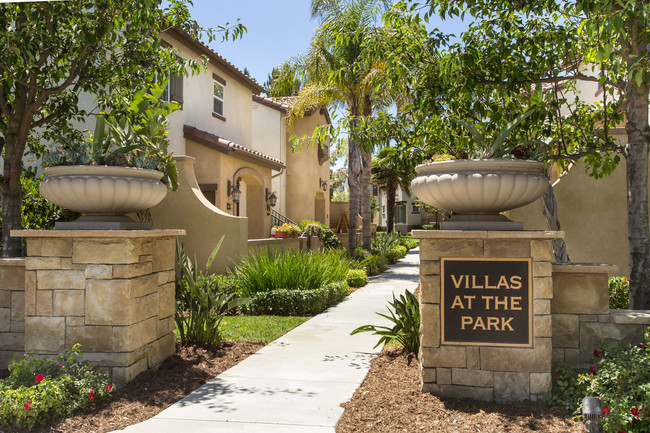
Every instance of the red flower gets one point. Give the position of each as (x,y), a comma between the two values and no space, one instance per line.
(109,386)
(27,405)
(91,395)
(593,370)
(39,378)
(605,412)
(59,366)
(634,411)
(597,353)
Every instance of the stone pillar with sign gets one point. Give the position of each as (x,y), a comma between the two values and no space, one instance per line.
(485,306)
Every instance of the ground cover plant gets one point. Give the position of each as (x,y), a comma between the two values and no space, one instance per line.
(39,390)
(258,328)
(620,377)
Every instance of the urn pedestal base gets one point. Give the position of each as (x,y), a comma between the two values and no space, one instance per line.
(481,222)
(103,222)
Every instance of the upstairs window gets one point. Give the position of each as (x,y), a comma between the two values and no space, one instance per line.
(218,87)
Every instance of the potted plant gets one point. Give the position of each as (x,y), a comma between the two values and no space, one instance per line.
(488,181)
(122,168)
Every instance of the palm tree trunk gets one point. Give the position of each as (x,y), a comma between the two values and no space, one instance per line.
(390,208)
(354,180)
(366,160)
(636,153)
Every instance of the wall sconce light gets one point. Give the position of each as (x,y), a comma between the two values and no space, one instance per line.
(228,206)
(233,189)
(271,201)
(322,184)
(592,413)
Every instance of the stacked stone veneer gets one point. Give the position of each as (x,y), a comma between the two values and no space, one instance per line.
(12,309)
(582,320)
(501,374)
(110,291)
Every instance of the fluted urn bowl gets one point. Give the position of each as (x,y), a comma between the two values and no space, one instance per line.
(103,190)
(479,186)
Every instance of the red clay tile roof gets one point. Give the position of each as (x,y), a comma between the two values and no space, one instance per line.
(226,146)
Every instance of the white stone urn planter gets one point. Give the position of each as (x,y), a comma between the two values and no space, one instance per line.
(105,194)
(478,189)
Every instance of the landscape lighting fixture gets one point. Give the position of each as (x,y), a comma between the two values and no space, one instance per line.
(592,413)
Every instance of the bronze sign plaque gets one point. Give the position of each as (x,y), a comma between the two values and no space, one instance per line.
(487,302)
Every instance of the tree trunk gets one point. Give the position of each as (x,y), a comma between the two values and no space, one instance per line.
(636,153)
(553,222)
(16,134)
(354,179)
(366,160)
(390,208)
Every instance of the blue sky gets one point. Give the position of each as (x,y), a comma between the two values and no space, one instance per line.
(277,30)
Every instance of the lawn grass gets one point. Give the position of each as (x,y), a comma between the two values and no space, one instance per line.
(258,328)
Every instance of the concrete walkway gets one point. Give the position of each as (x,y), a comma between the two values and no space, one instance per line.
(296,383)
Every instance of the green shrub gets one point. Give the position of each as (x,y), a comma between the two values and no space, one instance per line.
(381,229)
(620,377)
(312,230)
(395,254)
(200,303)
(265,271)
(429,227)
(568,391)
(408,242)
(383,243)
(283,302)
(405,316)
(329,240)
(38,213)
(38,390)
(357,278)
(619,293)
(374,265)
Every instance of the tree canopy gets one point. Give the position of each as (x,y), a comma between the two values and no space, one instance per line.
(53,51)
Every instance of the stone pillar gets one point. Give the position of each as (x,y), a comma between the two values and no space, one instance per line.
(12,309)
(486,371)
(112,291)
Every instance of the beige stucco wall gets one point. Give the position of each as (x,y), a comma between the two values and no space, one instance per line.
(204,223)
(269,137)
(304,195)
(592,212)
(197,104)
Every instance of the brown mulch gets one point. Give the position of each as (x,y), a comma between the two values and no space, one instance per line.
(152,391)
(390,401)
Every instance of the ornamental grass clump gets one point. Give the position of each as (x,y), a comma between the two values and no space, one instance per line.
(290,270)
(38,390)
(201,303)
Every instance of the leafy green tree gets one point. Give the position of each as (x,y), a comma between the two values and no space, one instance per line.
(53,51)
(512,46)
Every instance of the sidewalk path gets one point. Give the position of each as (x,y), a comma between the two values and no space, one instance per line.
(296,383)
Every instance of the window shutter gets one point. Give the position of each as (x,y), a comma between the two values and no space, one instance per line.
(176,88)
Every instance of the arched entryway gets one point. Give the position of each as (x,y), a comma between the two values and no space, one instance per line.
(251,202)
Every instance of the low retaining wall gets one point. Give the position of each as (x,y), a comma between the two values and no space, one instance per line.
(284,244)
(582,320)
(12,309)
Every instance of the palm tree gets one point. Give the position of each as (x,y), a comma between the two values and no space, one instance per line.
(337,71)
(392,169)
